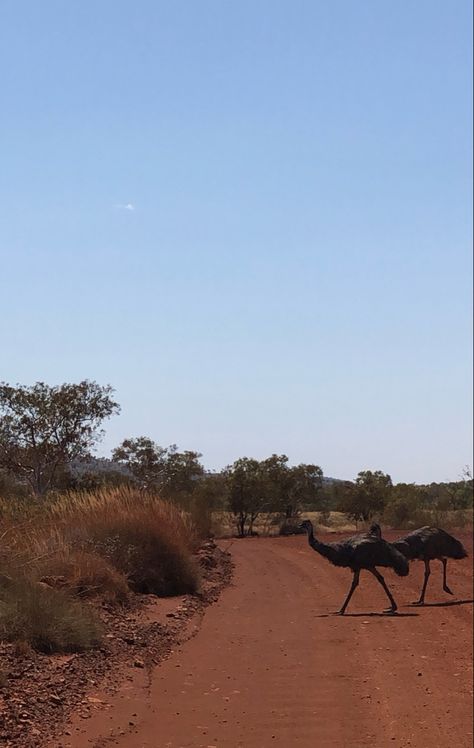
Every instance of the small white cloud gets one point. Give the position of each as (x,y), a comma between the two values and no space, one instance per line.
(125,206)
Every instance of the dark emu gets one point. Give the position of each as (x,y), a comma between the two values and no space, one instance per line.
(427,544)
(366,551)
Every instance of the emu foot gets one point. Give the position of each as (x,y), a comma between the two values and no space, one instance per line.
(446,589)
(418,603)
(390,611)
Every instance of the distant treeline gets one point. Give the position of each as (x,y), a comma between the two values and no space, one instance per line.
(47,434)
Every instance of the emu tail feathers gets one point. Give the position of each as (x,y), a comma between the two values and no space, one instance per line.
(400,564)
(451,547)
(458,550)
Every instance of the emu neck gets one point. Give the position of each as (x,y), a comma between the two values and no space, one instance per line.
(322,548)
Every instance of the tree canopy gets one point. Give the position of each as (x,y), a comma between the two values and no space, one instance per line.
(164,469)
(269,485)
(367,496)
(42,428)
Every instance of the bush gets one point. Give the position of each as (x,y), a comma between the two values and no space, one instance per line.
(208,494)
(153,561)
(88,545)
(146,539)
(46,619)
(85,574)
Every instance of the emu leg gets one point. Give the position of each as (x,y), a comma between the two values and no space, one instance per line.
(381,580)
(444,561)
(355,582)
(421,601)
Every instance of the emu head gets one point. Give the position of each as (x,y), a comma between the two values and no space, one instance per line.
(306,525)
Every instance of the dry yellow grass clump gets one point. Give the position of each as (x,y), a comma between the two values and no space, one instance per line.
(87,545)
(148,540)
(46,619)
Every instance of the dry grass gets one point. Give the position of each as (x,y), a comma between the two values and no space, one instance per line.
(146,539)
(268,524)
(84,574)
(83,546)
(46,619)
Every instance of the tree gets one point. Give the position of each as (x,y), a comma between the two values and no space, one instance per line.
(461,492)
(305,487)
(208,496)
(182,471)
(269,485)
(368,496)
(338,494)
(163,469)
(276,482)
(10,488)
(42,428)
(406,505)
(246,492)
(145,460)
(288,488)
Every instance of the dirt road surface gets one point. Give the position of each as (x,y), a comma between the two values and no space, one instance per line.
(272,667)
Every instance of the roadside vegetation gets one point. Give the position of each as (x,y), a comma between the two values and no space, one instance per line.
(77,531)
(84,548)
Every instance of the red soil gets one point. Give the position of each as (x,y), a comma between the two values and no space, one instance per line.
(270,665)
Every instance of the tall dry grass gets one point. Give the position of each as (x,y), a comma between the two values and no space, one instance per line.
(46,619)
(148,540)
(92,544)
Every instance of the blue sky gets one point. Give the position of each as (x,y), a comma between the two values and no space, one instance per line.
(295,274)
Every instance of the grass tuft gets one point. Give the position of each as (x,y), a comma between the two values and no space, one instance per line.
(46,619)
(86,575)
(147,540)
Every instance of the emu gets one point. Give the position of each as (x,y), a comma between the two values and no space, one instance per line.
(365,551)
(430,543)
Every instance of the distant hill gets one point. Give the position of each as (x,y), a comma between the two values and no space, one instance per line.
(97,465)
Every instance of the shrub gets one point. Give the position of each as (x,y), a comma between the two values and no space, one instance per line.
(206,497)
(404,514)
(146,539)
(86,545)
(46,619)
(85,574)
(152,560)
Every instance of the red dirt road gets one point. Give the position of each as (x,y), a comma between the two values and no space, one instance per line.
(270,666)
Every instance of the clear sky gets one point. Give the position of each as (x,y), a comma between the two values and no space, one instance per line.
(251,217)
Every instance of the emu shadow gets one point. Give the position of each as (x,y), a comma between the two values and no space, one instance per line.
(446,604)
(369,615)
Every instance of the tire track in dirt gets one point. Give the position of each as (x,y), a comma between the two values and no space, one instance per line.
(271,666)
